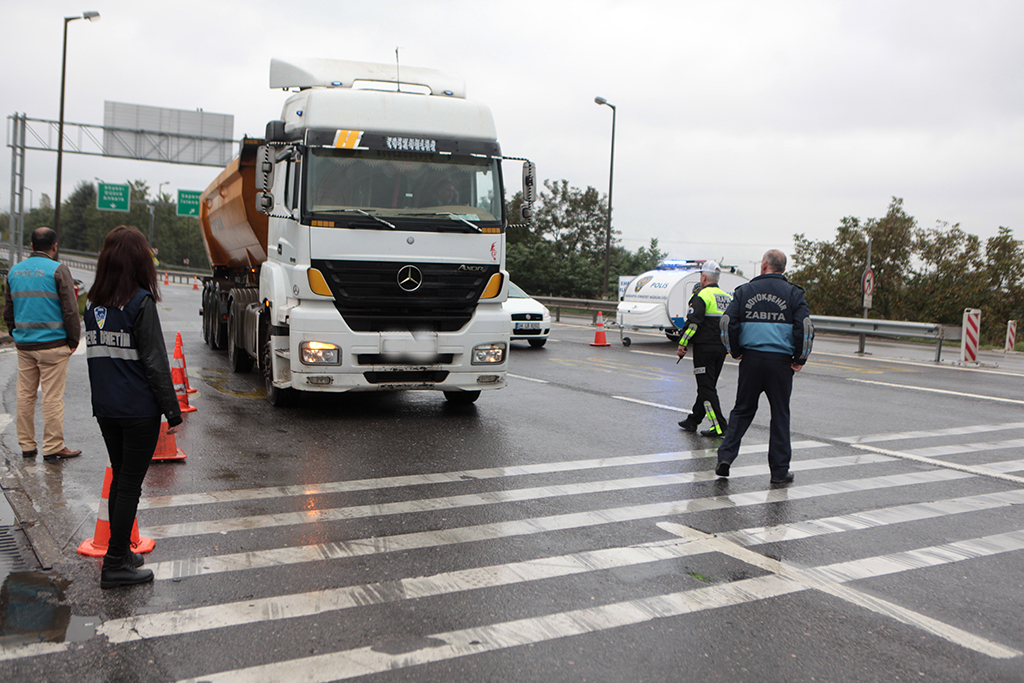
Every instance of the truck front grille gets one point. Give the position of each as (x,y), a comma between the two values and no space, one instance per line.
(369,298)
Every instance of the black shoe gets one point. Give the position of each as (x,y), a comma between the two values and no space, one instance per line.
(125,575)
(722,469)
(30,454)
(688,426)
(712,433)
(135,559)
(784,479)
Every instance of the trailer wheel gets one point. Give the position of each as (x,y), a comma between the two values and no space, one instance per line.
(461,398)
(626,341)
(238,360)
(279,398)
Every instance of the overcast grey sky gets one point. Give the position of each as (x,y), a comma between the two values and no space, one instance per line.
(739,122)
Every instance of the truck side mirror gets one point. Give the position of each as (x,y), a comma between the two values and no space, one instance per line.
(264,179)
(265,202)
(529,191)
(275,131)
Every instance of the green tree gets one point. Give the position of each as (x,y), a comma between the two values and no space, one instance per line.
(830,272)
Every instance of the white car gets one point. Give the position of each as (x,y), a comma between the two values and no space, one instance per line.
(531,320)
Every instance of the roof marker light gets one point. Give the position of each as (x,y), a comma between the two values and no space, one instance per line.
(448,92)
(336,83)
(298,113)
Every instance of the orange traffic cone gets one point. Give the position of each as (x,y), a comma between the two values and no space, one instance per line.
(97,545)
(195,285)
(167,446)
(179,352)
(166,278)
(179,379)
(599,339)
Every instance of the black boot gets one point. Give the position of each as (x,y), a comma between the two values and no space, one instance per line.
(120,572)
(135,559)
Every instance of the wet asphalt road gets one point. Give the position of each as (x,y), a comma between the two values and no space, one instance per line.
(561,529)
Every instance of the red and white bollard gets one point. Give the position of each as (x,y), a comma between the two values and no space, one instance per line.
(971,335)
(1011,335)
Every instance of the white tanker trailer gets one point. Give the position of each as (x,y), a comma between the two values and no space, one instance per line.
(659,299)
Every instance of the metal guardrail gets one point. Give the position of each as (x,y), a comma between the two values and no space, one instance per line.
(889,328)
(168,276)
(593,305)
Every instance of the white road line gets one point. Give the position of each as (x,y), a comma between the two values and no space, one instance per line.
(951,431)
(529,379)
(5,419)
(961,394)
(956,449)
(921,364)
(231,496)
(830,579)
(782,581)
(177,569)
(419,505)
(870,519)
(993,470)
(653,405)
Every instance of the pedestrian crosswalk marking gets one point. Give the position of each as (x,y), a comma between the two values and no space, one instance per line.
(459,476)
(949,431)
(477,640)
(177,569)
(484,498)
(993,471)
(305,604)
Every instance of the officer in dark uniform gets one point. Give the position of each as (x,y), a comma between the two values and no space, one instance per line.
(769,330)
(703,333)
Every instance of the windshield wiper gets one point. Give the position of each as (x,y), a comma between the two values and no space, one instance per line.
(446,213)
(364,213)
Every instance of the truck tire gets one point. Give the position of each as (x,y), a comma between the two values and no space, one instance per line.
(218,330)
(279,398)
(461,398)
(238,359)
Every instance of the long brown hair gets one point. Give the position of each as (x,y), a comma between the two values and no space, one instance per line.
(125,265)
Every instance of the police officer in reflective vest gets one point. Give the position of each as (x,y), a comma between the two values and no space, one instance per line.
(41,313)
(702,333)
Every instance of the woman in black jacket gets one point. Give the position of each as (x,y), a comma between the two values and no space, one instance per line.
(131,386)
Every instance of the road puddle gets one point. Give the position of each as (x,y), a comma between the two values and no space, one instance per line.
(32,610)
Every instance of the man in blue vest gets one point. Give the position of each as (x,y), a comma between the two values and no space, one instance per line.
(41,313)
(702,334)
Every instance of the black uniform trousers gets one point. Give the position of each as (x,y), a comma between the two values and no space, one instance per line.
(769,374)
(130,445)
(707,367)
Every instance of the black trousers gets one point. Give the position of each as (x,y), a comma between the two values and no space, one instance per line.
(769,374)
(707,367)
(130,445)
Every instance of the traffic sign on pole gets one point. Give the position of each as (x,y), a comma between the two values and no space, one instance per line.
(112,197)
(188,202)
(868,287)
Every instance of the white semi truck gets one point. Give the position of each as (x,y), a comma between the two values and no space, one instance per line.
(360,246)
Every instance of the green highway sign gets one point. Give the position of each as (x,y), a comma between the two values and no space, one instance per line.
(110,197)
(188,202)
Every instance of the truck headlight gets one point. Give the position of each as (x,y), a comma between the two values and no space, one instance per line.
(319,353)
(488,354)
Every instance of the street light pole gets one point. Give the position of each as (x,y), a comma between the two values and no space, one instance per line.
(88,16)
(159,189)
(611,177)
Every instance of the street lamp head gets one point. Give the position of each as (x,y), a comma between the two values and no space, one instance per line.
(91,16)
(600,100)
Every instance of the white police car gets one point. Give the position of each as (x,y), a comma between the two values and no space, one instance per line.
(530,318)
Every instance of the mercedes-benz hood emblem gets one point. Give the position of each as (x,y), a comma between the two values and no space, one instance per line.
(410,278)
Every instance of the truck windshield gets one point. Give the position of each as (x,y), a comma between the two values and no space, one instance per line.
(404,187)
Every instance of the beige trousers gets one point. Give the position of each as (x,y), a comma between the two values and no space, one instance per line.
(47,368)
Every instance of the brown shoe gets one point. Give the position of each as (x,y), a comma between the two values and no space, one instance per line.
(63,453)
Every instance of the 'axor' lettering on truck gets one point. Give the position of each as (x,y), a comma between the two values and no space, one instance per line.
(360,244)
